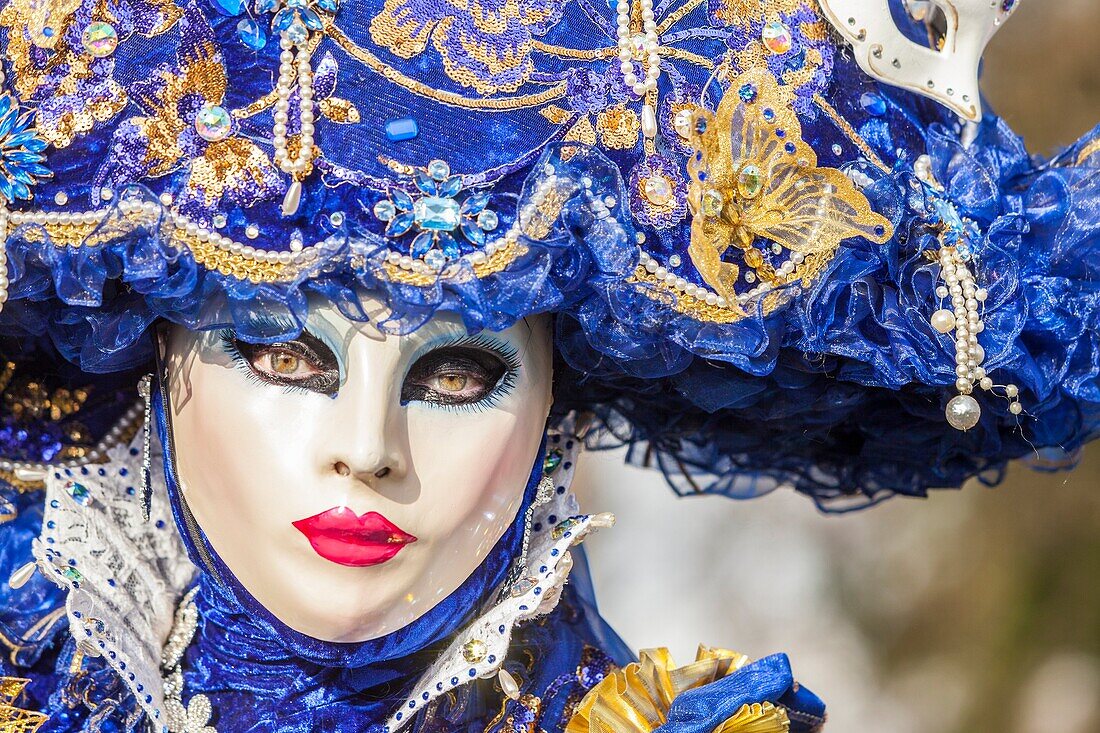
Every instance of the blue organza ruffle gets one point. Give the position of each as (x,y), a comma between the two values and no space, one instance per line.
(840,393)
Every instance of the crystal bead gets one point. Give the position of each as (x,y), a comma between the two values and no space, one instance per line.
(682,122)
(297,32)
(674,261)
(873,104)
(72,574)
(336,218)
(265,6)
(229,7)
(750,182)
(552,461)
(747,93)
(637,46)
(439,170)
(564,526)
(401,129)
(79,493)
(776,37)
(488,220)
(252,34)
(963,412)
(474,651)
(435,259)
(384,210)
(712,202)
(657,189)
(523,585)
(213,123)
(436,213)
(100,39)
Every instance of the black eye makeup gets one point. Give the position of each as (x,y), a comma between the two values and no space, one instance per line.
(304,363)
(465,372)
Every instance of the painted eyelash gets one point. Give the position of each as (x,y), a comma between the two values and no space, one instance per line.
(241,364)
(506,352)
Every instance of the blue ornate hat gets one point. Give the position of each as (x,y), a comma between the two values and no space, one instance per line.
(780,238)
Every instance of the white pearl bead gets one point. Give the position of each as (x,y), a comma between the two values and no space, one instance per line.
(943,320)
(963,412)
(1015,408)
(986,383)
(1012,390)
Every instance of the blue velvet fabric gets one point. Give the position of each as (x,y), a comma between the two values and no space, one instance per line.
(839,393)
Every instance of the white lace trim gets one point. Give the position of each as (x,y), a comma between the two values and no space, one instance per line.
(124,574)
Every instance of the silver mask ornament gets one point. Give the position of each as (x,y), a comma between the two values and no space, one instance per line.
(960,28)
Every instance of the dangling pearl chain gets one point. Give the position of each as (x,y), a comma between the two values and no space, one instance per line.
(3,233)
(293,67)
(965,319)
(641,87)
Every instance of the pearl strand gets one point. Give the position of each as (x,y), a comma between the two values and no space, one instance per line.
(4,216)
(965,319)
(648,52)
(293,66)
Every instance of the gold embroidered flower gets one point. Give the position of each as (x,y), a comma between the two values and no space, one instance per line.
(618,127)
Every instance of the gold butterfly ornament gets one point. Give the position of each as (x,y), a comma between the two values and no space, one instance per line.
(756,183)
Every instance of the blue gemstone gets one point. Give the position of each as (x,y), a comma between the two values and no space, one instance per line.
(329,6)
(475,203)
(747,92)
(252,34)
(451,186)
(313,21)
(422,244)
(401,224)
(401,200)
(436,213)
(425,183)
(449,245)
(265,6)
(282,20)
(873,104)
(473,232)
(402,129)
(229,7)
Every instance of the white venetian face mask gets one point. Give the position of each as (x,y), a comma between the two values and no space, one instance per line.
(949,73)
(352,480)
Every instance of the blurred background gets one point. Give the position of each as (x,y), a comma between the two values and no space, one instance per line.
(974,610)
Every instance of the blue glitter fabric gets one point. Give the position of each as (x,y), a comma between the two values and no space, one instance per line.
(490,161)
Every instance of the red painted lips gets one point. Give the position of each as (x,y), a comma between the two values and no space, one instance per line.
(344,538)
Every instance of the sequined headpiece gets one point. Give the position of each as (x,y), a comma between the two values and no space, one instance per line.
(775,248)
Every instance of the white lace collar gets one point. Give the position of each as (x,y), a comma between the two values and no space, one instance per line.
(125,575)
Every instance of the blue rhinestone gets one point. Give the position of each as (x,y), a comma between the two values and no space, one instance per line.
(492,658)
(790,148)
(329,6)
(229,7)
(873,104)
(265,6)
(252,34)
(412,703)
(297,32)
(501,628)
(454,680)
(425,696)
(398,716)
(748,93)
(439,685)
(402,129)
(473,673)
